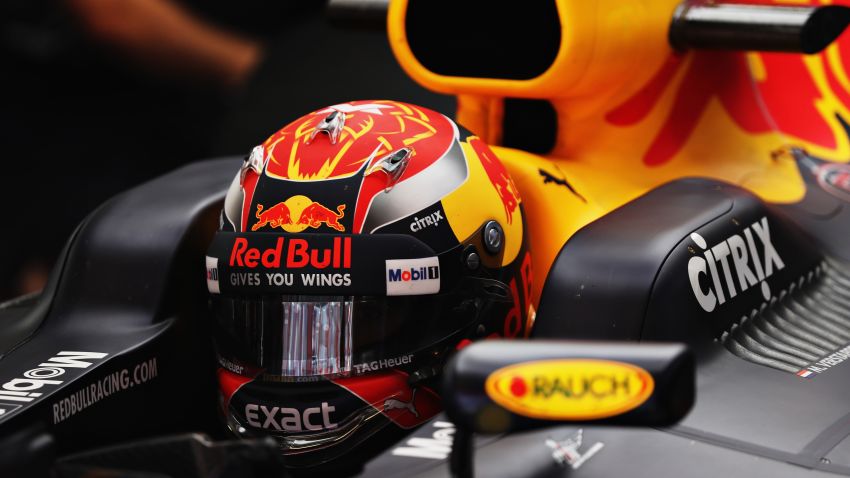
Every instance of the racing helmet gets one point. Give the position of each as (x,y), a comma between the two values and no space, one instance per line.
(358,247)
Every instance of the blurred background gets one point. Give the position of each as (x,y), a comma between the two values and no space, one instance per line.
(97,96)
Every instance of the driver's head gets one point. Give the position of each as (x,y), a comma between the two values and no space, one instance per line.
(359,246)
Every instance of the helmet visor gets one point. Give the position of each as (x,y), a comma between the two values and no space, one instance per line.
(290,337)
(287,336)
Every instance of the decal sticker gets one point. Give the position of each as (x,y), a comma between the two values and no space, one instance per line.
(396,404)
(499,177)
(549,178)
(212,275)
(825,363)
(298,254)
(231,366)
(566,452)
(438,447)
(115,382)
(429,225)
(730,259)
(45,378)
(290,419)
(390,394)
(835,179)
(413,276)
(430,220)
(376,365)
(309,213)
(570,389)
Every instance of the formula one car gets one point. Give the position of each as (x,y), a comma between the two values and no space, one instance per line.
(681,171)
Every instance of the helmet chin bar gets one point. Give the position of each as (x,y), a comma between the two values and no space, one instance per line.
(291,444)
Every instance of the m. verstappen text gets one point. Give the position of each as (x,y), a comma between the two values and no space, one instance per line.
(291,419)
(115,382)
(736,247)
(834,359)
(298,254)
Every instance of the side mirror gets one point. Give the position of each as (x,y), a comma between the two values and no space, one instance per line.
(744,26)
(500,386)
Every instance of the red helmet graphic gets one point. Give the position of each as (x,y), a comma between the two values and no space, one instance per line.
(359,247)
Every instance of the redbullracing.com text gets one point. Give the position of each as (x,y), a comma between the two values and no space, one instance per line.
(115,382)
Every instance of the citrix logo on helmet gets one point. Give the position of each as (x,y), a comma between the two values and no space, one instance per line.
(736,247)
(430,220)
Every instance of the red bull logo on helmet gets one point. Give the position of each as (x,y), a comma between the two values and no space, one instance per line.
(298,213)
(291,254)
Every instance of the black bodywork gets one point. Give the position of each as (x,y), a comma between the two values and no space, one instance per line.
(130,291)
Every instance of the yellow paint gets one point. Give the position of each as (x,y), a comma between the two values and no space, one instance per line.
(570,389)
(477,201)
(610,50)
(757,67)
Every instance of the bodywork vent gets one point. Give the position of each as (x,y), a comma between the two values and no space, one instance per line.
(804,329)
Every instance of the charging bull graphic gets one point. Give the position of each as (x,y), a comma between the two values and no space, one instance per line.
(315,215)
(499,177)
(309,213)
(276,216)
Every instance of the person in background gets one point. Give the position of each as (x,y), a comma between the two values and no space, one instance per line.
(97,96)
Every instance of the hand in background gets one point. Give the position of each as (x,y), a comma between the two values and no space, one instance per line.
(164,38)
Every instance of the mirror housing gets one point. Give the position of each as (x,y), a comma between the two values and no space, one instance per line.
(500,386)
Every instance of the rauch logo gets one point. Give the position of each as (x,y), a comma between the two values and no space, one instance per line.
(570,389)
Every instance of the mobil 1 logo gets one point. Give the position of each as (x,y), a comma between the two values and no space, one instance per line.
(43,379)
(413,276)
